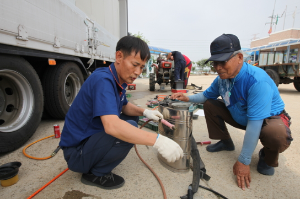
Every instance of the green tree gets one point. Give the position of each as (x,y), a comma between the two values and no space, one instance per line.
(201,64)
(141,36)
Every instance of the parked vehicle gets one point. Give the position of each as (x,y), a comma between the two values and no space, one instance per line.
(163,72)
(47,49)
(280,70)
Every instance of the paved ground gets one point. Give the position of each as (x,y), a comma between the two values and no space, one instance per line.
(140,183)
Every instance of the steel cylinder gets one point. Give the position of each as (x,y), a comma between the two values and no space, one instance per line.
(178,115)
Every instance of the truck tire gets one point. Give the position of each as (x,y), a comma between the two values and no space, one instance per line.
(274,75)
(61,83)
(152,82)
(297,83)
(21,102)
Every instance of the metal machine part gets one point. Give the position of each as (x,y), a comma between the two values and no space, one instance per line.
(181,116)
(177,114)
(163,72)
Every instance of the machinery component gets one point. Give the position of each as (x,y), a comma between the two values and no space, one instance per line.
(163,73)
(182,133)
(180,115)
(131,86)
(197,87)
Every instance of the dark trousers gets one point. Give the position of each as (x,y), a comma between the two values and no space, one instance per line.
(274,135)
(179,70)
(100,153)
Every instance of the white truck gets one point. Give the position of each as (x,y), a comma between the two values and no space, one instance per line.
(47,49)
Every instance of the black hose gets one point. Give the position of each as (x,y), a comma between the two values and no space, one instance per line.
(199,172)
(196,165)
(218,194)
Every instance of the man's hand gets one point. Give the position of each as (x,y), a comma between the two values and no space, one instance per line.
(153,115)
(242,173)
(169,149)
(179,96)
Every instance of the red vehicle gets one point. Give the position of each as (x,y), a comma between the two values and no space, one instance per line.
(163,73)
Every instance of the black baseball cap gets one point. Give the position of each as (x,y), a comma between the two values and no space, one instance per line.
(223,47)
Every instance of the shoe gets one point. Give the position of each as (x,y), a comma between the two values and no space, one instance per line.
(109,181)
(222,145)
(262,166)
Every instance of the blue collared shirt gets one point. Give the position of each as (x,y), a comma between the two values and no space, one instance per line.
(101,94)
(253,95)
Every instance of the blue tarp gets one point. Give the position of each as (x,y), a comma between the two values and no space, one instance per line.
(252,53)
(158,50)
(275,44)
(245,50)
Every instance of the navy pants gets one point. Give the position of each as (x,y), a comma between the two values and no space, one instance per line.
(100,153)
(179,70)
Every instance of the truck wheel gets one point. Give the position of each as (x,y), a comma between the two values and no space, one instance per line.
(21,102)
(152,82)
(61,83)
(297,83)
(274,75)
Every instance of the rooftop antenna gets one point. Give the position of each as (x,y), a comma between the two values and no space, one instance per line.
(270,31)
(284,16)
(254,36)
(294,16)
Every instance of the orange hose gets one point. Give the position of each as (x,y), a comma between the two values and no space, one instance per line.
(24,150)
(47,184)
(155,108)
(156,176)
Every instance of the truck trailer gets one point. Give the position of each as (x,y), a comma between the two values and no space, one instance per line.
(279,55)
(48,48)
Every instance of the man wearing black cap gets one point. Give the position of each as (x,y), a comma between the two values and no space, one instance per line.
(250,101)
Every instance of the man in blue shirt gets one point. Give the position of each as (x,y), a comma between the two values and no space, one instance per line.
(250,101)
(101,125)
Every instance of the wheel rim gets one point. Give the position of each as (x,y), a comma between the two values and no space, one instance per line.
(72,87)
(16,100)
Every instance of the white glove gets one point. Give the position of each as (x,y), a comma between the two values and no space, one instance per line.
(169,149)
(152,115)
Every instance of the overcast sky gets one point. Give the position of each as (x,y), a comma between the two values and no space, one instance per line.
(190,26)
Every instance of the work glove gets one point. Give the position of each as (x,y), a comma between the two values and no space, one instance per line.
(169,149)
(152,115)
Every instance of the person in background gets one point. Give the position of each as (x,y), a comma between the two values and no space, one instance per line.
(180,65)
(187,70)
(250,101)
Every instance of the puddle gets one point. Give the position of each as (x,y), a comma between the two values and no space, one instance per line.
(75,194)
